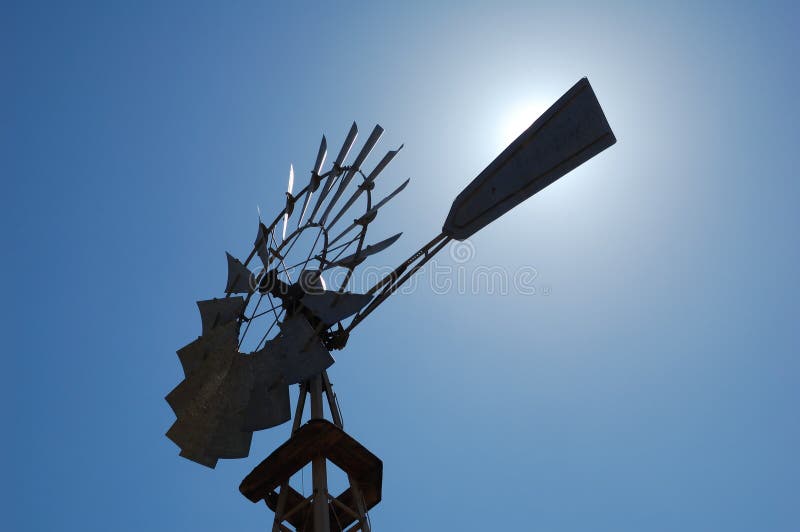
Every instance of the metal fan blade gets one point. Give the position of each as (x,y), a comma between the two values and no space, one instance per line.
(261,245)
(215,312)
(299,351)
(192,442)
(230,440)
(239,277)
(321,154)
(212,427)
(388,198)
(289,201)
(210,402)
(214,434)
(365,151)
(210,354)
(322,194)
(268,405)
(220,340)
(370,214)
(332,307)
(348,143)
(567,135)
(305,206)
(201,459)
(367,183)
(357,258)
(337,164)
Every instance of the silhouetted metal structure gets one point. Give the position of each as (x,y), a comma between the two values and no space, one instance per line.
(227,394)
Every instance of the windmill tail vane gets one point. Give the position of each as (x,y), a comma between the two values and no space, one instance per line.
(279,320)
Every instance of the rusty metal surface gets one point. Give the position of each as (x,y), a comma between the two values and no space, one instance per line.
(569,133)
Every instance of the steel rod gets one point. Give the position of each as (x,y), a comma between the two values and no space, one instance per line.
(319,471)
(393,280)
(332,405)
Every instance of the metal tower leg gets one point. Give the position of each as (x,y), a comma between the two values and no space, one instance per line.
(337,419)
(319,469)
(282,496)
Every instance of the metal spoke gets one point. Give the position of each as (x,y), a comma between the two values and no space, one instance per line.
(264,338)
(313,247)
(280,258)
(344,248)
(262,313)
(250,319)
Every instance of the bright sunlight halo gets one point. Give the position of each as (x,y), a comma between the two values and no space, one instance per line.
(518,120)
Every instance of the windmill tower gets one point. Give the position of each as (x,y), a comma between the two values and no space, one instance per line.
(236,383)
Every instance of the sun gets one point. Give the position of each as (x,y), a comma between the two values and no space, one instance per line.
(518,119)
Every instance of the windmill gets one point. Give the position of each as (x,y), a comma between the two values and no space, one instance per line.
(278,322)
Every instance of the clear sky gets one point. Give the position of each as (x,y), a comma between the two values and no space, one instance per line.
(649,383)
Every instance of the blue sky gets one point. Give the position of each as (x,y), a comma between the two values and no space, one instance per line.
(649,383)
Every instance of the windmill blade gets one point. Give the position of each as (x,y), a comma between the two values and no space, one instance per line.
(229,440)
(298,350)
(239,277)
(332,307)
(567,135)
(216,312)
(289,201)
(193,354)
(211,428)
(224,397)
(377,131)
(321,154)
(388,198)
(337,165)
(370,214)
(268,405)
(192,441)
(261,245)
(367,183)
(357,258)
(365,151)
(215,349)
(210,402)
(201,459)
(348,143)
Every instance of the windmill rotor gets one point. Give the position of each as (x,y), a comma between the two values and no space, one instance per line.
(279,320)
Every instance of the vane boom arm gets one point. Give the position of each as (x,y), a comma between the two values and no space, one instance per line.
(391,282)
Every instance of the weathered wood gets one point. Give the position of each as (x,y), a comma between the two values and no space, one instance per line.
(317,437)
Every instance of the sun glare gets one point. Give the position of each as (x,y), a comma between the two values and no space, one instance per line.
(518,120)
